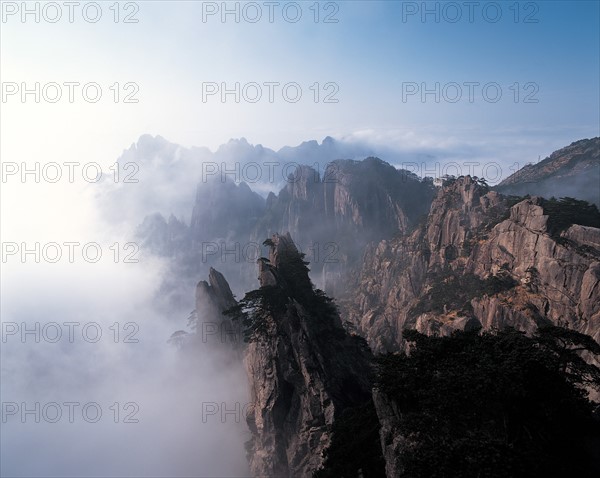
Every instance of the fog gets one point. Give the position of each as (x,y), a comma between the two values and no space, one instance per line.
(582,186)
(158,164)
(165,421)
(81,336)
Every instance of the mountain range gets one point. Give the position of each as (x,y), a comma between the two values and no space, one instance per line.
(396,252)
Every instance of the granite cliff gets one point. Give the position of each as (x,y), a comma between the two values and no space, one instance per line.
(334,216)
(304,371)
(304,368)
(478,261)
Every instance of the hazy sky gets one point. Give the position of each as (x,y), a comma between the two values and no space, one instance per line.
(505,81)
(374,58)
(372,50)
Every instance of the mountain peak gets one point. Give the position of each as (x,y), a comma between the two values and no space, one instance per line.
(305,369)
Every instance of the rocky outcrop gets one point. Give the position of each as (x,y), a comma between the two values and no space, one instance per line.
(495,266)
(583,235)
(478,260)
(474,263)
(215,296)
(559,281)
(455,216)
(334,216)
(303,371)
(211,330)
(368,197)
(211,325)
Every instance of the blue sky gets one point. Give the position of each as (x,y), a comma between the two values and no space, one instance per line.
(369,53)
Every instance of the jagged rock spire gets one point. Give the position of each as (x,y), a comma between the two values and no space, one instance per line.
(303,373)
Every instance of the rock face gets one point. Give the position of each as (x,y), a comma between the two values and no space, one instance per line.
(571,171)
(215,296)
(475,262)
(304,371)
(212,332)
(478,259)
(333,217)
(368,197)
(212,299)
(560,281)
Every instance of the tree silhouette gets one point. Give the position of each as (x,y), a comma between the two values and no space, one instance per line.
(496,405)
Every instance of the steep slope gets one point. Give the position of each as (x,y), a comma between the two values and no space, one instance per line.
(477,261)
(572,171)
(209,326)
(369,197)
(212,299)
(334,217)
(304,369)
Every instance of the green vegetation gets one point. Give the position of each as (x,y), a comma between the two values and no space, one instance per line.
(495,405)
(260,308)
(566,211)
(512,200)
(257,310)
(503,212)
(454,291)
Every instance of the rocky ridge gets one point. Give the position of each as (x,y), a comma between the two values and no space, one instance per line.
(477,261)
(334,216)
(304,369)
(571,171)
